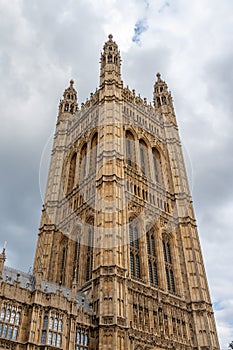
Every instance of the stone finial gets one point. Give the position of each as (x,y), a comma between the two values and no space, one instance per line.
(71,83)
(158,76)
(2,260)
(110,37)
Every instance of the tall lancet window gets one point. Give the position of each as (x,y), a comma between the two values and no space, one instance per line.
(135,268)
(63,260)
(168,265)
(152,257)
(83,162)
(71,175)
(130,149)
(157,166)
(77,239)
(90,241)
(93,155)
(144,159)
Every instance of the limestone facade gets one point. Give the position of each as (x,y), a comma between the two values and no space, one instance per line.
(118,263)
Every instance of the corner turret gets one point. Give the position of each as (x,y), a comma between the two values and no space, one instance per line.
(163,99)
(68,105)
(162,96)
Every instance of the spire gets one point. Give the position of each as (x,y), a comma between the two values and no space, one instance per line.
(110,62)
(2,259)
(68,105)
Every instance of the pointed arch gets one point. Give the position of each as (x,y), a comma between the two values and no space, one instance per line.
(164,100)
(63,259)
(135,264)
(130,148)
(76,235)
(90,242)
(144,157)
(72,170)
(157,166)
(152,255)
(83,162)
(168,261)
(93,154)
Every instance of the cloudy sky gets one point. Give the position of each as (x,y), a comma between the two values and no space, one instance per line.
(45,43)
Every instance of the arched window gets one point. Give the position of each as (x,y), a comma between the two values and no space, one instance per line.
(17,319)
(109,58)
(62,261)
(55,324)
(52,331)
(164,100)
(3,313)
(60,326)
(93,155)
(51,322)
(81,339)
(10,319)
(45,322)
(130,149)
(83,162)
(8,314)
(90,240)
(144,160)
(71,176)
(76,236)
(157,165)
(135,268)
(168,265)
(152,258)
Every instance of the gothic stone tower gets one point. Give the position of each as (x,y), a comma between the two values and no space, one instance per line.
(118,222)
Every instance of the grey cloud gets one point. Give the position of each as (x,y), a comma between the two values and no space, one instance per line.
(44,44)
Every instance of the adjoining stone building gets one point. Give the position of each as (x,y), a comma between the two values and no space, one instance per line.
(118,263)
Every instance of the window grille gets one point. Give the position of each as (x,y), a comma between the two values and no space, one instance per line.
(81,339)
(10,321)
(52,329)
